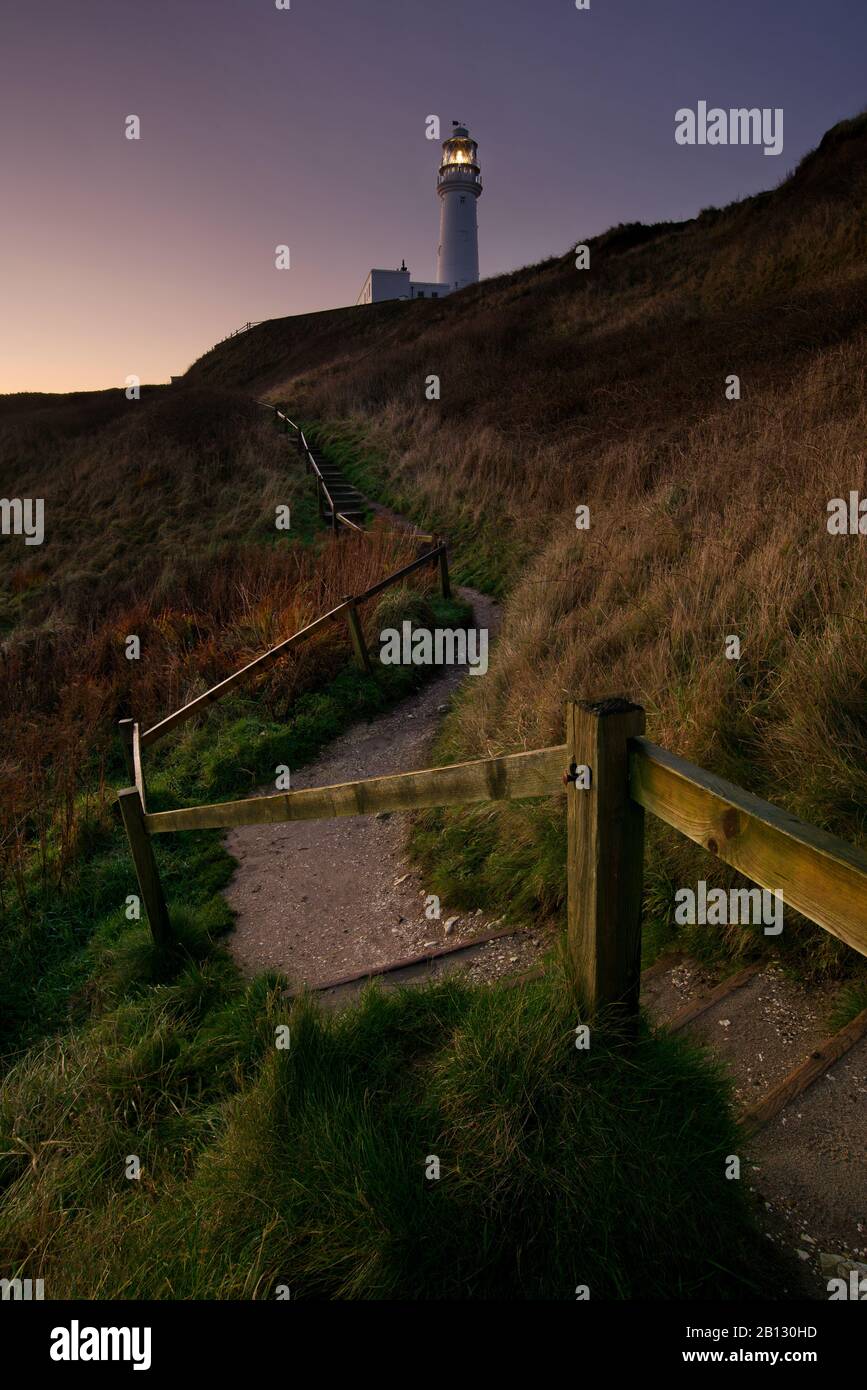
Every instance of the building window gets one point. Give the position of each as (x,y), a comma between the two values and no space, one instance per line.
(420,294)
(463,199)
(434,294)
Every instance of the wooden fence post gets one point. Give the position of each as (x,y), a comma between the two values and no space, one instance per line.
(356,632)
(125,728)
(445,585)
(145,866)
(138,768)
(605,848)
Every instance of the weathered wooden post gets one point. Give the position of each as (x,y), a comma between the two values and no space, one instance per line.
(356,633)
(125,729)
(145,866)
(445,584)
(605,847)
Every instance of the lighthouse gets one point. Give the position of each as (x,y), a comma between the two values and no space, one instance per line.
(459,184)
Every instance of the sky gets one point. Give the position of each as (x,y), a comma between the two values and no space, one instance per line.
(305,127)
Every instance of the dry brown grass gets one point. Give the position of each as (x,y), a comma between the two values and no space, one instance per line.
(708,516)
(159,523)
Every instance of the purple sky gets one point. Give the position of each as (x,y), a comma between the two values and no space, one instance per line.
(262,126)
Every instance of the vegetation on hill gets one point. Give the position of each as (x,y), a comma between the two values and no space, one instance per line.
(160,523)
(307,1169)
(559,388)
(607,388)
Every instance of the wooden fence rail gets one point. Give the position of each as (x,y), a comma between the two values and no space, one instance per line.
(818,875)
(612,776)
(488,779)
(438,556)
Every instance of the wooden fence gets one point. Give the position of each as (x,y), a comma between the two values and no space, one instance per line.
(134,739)
(245,328)
(612,775)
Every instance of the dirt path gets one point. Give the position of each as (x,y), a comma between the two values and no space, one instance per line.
(809,1164)
(319,900)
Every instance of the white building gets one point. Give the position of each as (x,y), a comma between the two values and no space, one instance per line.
(396,284)
(459,184)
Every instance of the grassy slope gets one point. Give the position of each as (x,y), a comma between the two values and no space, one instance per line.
(607,387)
(305,1167)
(159,522)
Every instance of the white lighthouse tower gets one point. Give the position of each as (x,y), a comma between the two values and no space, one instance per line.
(459,184)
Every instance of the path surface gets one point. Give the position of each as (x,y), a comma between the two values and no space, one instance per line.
(809,1164)
(319,900)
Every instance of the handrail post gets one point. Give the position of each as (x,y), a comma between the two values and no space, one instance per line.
(356,633)
(146,869)
(138,766)
(605,848)
(445,583)
(125,730)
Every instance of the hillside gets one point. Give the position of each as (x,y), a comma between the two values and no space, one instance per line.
(159,523)
(261,1167)
(607,387)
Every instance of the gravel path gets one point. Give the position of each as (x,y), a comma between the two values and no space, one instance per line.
(321,899)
